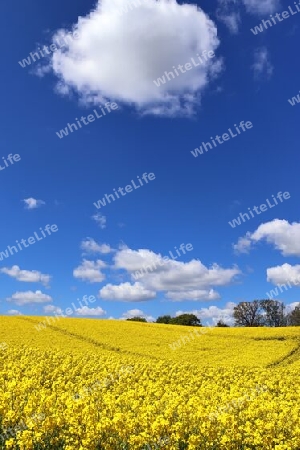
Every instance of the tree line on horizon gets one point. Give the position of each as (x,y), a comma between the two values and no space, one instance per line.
(258,313)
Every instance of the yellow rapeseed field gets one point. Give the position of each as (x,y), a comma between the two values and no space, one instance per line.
(82,384)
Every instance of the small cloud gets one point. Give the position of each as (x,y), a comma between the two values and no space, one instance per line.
(291,306)
(90,271)
(193,295)
(228,13)
(29,297)
(127,292)
(27,276)
(261,7)
(286,273)
(243,245)
(136,313)
(89,245)
(100,220)
(86,311)
(213,314)
(14,312)
(232,21)
(52,309)
(33,203)
(262,66)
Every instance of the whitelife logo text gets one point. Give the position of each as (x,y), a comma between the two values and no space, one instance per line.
(86,120)
(129,188)
(225,136)
(275,19)
(259,209)
(49,229)
(9,160)
(294,100)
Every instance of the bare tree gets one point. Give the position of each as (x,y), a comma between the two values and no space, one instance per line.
(294,317)
(273,313)
(248,314)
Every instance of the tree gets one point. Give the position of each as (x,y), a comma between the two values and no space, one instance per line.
(248,314)
(222,324)
(186,319)
(137,319)
(164,319)
(273,313)
(294,317)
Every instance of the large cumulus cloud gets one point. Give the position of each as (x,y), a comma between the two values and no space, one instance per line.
(118,56)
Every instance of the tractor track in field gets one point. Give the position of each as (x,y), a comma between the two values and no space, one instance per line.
(289,358)
(89,340)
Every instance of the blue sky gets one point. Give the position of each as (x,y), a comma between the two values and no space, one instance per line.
(116,58)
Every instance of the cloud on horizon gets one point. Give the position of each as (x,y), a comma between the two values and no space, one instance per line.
(136,313)
(29,297)
(92,312)
(212,314)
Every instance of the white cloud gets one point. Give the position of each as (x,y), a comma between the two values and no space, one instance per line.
(126,292)
(117,57)
(137,313)
(100,220)
(86,311)
(14,312)
(280,233)
(193,295)
(29,297)
(90,271)
(181,281)
(284,274)
(261,7)
(262,66)
(212,314)
(32,203)
(231,20)
(229,10)
(52,309)
(283,235)
(228,13)
(173,275)
(243,245)
(291,306)
(89,245)
(28,276)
